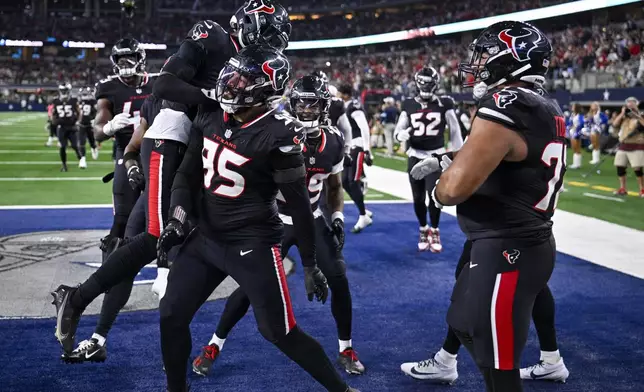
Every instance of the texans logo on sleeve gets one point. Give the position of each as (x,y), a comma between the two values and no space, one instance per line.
(521,41)
(277,71)
(259,6)
(198,33)
(503,98)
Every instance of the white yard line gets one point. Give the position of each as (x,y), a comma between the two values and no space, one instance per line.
(600,242)
(89,163)
(596,196)
(53,150)
(11,179)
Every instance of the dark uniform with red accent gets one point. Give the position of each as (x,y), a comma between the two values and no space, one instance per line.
(508,220)
(64,117)
(322,160)
(85,132)
(336,109)
(124,99)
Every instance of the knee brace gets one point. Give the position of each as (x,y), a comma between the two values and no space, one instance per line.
(639,172)
(621,171)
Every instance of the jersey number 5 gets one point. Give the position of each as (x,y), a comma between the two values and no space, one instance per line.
(421,128)
(221,160)
(556,152)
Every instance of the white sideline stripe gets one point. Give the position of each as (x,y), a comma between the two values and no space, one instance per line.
(11,179)
(596,196)
(42,138)
(53,150)
(617,248)
(50,163)
(80,206)
(394,157)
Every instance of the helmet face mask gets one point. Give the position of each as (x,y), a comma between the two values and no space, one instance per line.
(427,80)
(128,59)
(64,91)
(310,101)
(86,93)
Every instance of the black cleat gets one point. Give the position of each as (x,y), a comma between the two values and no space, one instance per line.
(87,351)
(67,317)
(109,244)
(202,364)
(349,361)
(64,169)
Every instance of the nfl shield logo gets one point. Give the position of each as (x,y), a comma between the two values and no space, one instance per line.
(228,133)
(139,91)
(312,160)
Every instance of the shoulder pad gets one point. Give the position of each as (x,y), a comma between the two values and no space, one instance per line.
(107,79)
(507,106)
(356,104)
(333,131)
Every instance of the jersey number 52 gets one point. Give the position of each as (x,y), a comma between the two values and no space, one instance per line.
(221,161)
(425,124)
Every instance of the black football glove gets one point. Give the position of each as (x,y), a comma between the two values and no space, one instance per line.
(315,283)
(172,235)
(368,160)
(338,229)
(135,178)
(347,160)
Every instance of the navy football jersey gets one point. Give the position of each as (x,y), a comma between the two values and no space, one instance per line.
(150,108)
(427,121)
(87,111)
(336,109)
(65,112)
(238,198)
(321,159)
(125,99)
(519,198)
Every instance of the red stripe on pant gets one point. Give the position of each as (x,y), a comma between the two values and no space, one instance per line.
(504,319)
(359,163)
(154,226)
(289,318)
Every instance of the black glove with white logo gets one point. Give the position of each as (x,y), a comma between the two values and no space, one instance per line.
(368,160)
(171,236)
(315,283)
(134,174)
(338,230)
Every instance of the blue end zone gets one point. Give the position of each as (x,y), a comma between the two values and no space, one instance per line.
(400,299)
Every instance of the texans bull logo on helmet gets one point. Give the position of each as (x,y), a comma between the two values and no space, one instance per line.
(503,98)
(259,6)
(521,41)
(277,71)
(198,33)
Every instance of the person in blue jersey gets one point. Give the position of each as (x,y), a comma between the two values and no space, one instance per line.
(577,130)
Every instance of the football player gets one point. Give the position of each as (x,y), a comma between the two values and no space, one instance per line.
(87,109)
(64,116)
(422,125)
(577,131)
(144,224)
(49,127)
(517,138)
(239,156)
(119,100)
(353,123)
(323,157)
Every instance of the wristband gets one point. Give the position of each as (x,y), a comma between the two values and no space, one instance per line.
(131,155)
(337,215)
(179,214)
(437,203)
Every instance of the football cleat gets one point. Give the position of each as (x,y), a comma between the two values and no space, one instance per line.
(87,351)
(430,370)
(435,240)
(94,153)
(82,163)
(546,371)
(349,361)
(363,222)
(63,169)
(67,317)
(423,240)
(202,364)
(50,141)
(621,192)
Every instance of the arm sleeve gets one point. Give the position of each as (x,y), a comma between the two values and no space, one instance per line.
(454,129)
(402,124)
(344,126)
(290,176)
(363,124)
(186,180)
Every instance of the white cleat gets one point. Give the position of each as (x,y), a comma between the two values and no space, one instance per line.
(545,371)
(435,240)
(423,240)
(82,163)
(369,213)
(50,141)
(363,222)
(94,153)
(430,370)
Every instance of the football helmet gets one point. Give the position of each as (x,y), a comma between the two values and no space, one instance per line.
(321,75)
(505,52)
(128,58)
(255,75)
(427,80)
(86,93)
(310,101)
(64,91)
(261,22)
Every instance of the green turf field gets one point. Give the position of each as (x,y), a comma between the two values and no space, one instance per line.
(591,195)
(30,172)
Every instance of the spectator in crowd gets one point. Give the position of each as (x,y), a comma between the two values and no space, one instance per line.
(388,118)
